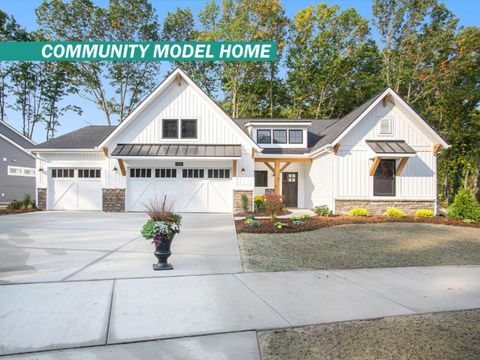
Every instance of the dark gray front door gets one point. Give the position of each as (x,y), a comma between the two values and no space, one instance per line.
(290,188)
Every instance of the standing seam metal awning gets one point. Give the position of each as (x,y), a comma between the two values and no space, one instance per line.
(390,147)
(178,150)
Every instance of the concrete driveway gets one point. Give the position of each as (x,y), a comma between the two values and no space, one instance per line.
(62,246)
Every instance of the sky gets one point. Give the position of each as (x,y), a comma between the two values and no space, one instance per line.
(24,12)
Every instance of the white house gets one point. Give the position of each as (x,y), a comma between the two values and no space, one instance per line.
(178,142)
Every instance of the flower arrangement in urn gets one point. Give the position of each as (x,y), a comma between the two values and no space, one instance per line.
(161,228)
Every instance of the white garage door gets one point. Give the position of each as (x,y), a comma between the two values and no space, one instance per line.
(190,190)
(75,189)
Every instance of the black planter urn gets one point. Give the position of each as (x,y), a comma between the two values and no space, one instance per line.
(162,251)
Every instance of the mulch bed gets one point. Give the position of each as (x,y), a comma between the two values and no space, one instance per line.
(284,212)
(17,211)
(317,222)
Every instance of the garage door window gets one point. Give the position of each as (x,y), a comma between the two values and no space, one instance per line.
(165,173)
(218,173)
(89,173)
(193,173)
(140,173)
(63,173)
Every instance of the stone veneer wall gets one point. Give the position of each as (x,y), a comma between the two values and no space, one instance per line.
(378,207)
(42,198)
(237,200)
(113,200)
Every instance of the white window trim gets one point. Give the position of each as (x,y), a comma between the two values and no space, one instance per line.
(21,170)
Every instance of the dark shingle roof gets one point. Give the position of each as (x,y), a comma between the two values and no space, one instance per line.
(15,136)
(182,150)
(87,137)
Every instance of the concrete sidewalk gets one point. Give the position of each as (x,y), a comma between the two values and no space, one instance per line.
(72,314)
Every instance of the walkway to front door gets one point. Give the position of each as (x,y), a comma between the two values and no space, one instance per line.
(290,188)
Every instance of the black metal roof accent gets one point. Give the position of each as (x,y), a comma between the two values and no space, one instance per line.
(390,147)
(178,150)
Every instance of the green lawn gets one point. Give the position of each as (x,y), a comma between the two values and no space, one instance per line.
(362,246)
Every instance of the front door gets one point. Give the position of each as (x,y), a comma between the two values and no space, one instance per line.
(290,188)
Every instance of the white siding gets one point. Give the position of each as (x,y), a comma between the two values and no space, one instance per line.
(319,182)
(353,160)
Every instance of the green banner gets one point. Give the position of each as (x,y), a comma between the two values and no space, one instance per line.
(138,51)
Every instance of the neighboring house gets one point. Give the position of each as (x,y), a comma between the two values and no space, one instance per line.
(17,165)
(178,142)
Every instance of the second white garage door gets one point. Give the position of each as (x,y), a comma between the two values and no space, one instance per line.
(190,190)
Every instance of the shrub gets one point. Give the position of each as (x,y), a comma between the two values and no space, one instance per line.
(14,205)
(298,222)
(26,201)
(305,217)
(259,203)
(274,204)
(322,210)
(395,212)
(358,212)
(249,219)
(245,203)
(255,223)
(280,225)
(464,206)
(424,213)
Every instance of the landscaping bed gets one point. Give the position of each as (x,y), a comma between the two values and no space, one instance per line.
(319,222)
(353,246)
(448,335)
(16,211)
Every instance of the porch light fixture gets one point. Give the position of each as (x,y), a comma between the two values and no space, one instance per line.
(243,171)
(40,170)
(115,170)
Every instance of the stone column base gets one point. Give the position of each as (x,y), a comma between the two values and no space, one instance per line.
(113,200)
(378,207)
(42,198)
(237,200)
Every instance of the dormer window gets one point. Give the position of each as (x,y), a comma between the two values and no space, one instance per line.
(386,126)
(279,136)
(264,136)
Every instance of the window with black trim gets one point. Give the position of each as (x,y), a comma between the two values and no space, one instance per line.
(140,173)
(166,173)
(279,136)
(189,128)
(170,128)
(218,173)
(89,173)
(193,173)
(264,136)
(63,173)
(261,178)
(384,178)
(295,136)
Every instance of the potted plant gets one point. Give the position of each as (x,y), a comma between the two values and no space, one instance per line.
(161,228)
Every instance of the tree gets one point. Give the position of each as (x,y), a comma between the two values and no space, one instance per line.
(331,58)
(10,30)
(122,20)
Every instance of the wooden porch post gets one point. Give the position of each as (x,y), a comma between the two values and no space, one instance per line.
(277,177)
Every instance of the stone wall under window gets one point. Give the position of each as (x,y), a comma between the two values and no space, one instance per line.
(42,198)
(378,207)
(113,200)
(237,200)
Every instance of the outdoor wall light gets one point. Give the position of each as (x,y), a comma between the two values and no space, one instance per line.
(243,171)
(40,170)
(115,170)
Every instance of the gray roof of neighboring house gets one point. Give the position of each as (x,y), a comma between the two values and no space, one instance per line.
(87,137)
(179,150)
(15,136)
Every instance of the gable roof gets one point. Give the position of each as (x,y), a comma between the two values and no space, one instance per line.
(15,136)
(158,90)
(87,137)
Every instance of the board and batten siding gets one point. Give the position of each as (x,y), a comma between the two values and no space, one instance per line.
(184,102)
(418,179)
(319,182)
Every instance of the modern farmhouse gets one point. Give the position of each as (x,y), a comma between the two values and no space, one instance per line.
(178,142)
